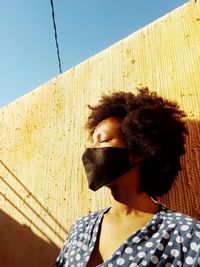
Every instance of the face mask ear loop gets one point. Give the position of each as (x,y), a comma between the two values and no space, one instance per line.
(154,200)
(136,161)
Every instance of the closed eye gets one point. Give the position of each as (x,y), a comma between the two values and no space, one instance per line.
(103,141)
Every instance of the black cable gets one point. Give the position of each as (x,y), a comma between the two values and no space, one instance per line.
(56,39)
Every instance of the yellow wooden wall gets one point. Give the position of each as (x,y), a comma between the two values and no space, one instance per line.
(42,137)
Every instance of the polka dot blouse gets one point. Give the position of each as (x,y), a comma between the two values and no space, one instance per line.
(169,239)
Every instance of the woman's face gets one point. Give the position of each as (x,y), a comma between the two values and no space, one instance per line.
(108,134)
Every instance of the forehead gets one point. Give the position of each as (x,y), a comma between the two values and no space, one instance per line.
(110,125)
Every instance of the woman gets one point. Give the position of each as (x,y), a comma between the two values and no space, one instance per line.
(135,152)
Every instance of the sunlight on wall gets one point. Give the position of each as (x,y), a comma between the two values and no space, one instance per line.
(42,133)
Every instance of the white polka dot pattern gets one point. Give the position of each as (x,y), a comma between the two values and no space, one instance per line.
(128,250)
(169,239)
(154,259)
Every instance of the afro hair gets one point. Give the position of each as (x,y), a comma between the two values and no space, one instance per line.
(153,128)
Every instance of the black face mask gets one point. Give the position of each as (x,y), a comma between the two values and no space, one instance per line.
(103,165)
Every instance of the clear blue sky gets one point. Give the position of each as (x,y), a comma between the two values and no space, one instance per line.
(85,27)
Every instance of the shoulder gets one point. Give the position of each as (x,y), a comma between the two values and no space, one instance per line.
(87,221)
(90,217)
(181,223)
(81,229)
(181,219)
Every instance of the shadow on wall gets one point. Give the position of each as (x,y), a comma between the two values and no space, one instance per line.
(19,246)
(184,195)
(28,205)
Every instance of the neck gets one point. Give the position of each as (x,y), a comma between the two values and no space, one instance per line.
(127,199)
(124,204)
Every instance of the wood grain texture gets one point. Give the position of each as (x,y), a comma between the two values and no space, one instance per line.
(42,135)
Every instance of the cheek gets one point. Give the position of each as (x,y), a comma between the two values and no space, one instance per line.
(118,143)
(107,144)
